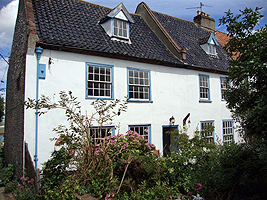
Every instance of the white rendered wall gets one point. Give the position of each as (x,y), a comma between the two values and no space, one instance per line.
(174,91)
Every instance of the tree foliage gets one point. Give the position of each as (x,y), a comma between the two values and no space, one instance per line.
(247,94)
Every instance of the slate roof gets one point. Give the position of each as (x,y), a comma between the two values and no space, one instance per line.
(74,24)
(189,35)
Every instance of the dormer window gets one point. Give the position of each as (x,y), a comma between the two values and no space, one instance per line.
(120,28)
(209,45)
(212,49)
(117,24)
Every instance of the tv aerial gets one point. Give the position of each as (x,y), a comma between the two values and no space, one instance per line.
(200,7)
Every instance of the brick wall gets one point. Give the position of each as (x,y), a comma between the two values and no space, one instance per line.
(14,124)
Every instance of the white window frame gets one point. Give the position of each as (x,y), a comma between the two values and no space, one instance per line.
(120,28)
(228,131)
(212,49)
(208,135)
(98,133)
(99,81)
(204,88)
(223,82)
(139,85)
(142,130)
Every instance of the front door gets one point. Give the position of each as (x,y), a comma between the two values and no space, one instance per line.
(170,139)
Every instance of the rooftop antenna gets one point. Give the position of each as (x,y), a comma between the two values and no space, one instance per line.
(199,7)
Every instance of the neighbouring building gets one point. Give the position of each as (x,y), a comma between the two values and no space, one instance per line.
(173,72)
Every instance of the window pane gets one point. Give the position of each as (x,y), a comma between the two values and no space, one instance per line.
(96,77)
(102,77)
(124,33)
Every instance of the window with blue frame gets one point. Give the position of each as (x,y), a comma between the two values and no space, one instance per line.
(139,84)
(99,81)
(98,133)
(223,87)
(143,130)
(204,87)
(228,132)
(207,130)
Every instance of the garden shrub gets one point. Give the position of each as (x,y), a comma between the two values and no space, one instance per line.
(124,166)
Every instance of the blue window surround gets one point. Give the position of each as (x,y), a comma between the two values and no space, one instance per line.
(222,77)
(229,120)
(139,100)
(211,121)
(201,99)
(104,127)
(213,37)
(149,130)
(86,80)
(127,25)
(169,126)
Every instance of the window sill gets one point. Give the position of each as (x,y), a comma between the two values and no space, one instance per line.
(139,101)
(204,101)
(104,98)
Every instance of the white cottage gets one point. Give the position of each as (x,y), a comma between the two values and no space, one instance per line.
(172,71)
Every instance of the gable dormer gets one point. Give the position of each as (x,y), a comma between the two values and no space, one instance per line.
(117,23)
(209,45)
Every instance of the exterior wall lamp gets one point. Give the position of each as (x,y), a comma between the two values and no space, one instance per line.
(172,120)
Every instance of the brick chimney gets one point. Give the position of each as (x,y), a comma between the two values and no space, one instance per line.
(204,20)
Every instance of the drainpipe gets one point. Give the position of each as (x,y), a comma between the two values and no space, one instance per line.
(38,51)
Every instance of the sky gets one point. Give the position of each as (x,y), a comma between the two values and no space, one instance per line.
(177,8)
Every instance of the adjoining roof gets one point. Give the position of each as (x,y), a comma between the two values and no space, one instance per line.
(188,35)
(74,25)
(223,39)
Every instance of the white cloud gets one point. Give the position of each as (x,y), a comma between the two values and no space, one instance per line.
(3,74)
(8,16)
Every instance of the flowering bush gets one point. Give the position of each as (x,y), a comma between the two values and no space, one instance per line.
(25,190)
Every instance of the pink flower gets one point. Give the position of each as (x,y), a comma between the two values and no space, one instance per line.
(22,178)
(171,197)
(200,187)
(190,193)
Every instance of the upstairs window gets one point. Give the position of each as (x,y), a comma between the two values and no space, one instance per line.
(212,49)
(120,28)
(138,84)
(223,87)
(99,81)
(204,88)
(209,45)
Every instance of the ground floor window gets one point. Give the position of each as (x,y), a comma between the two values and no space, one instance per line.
(143,130)
(228,131)
(207,130)
(98,133)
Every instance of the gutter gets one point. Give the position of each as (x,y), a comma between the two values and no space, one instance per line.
(38,51)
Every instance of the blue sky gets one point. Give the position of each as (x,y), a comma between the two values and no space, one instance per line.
(177,8)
